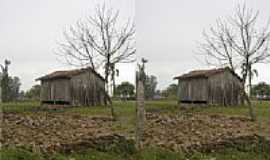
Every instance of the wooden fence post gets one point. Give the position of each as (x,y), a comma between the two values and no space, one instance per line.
(140,115)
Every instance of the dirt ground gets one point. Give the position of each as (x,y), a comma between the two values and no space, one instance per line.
(49,132)
(195,131)
(54,132)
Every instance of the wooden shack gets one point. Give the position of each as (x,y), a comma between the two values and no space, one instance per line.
(215,86)
(74,87)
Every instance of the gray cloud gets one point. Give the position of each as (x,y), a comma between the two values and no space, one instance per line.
(168,32)
(29,31)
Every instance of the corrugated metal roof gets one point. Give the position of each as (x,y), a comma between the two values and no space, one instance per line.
(67,74)
(205,73)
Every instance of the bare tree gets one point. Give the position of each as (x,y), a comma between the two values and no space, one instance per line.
(249,42)
(140,112)
(237,42)
(216,46)
(100,41)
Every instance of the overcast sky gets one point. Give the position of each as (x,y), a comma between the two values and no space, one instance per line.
(168,32)
(30,29)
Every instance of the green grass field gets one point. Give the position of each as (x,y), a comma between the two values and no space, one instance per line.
(126,121)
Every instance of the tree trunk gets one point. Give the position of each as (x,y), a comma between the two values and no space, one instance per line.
(113,79)
(250,107)
(107,98)
(114,85)
(140,113)
(249,82)
(107,72)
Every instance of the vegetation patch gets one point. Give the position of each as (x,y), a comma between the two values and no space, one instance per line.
(107,143)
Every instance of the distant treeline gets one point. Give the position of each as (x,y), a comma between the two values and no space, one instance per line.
(10,88)
(261,90)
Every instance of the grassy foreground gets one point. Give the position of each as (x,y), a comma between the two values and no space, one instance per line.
(146,154)
(126,120)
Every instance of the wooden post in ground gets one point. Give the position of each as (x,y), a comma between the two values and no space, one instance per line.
(140,112)
(140,115)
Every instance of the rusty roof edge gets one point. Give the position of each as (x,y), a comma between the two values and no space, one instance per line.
(45,77)
(197,76)
(211,74)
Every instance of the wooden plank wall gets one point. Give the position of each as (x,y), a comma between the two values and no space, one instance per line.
(55,90)
(193,89)
(221,89)
(224,89)
(78,90)
(85,92)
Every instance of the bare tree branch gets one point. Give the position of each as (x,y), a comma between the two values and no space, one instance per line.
(238,43)
(99,40)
